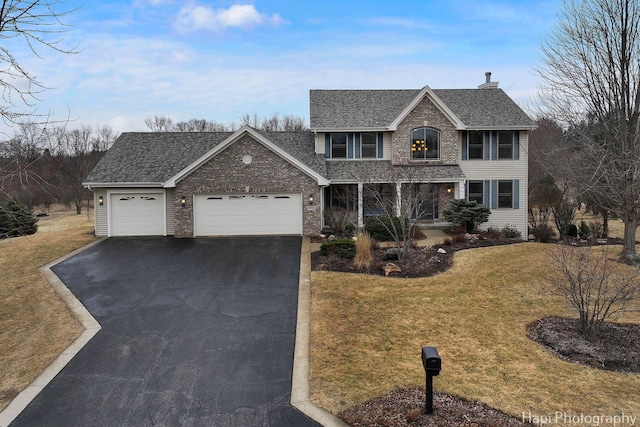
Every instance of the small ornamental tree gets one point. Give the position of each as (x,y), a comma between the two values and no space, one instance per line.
(466,213)
(16,220)
(593,285)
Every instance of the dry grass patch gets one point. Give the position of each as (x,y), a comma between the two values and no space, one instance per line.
(367,333)
(35,325)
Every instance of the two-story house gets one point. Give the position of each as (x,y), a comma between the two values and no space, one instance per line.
(463,143)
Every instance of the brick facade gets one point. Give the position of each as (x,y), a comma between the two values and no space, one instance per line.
(267,173)
(425,112)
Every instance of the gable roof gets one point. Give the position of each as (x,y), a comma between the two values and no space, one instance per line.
(489,108)
(264,138)
(157,158)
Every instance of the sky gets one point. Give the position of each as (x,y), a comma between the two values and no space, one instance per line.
(219,59)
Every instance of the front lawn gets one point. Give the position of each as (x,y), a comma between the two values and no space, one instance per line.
(368,331)
(35,325)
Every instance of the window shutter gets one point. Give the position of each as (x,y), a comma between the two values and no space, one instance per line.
(486,146)
(494,145)
(516,194)
(466,190)
(356,139)
(327,145)
(380,145)
(349,146)
(486,192)
(465,145)
(516,145)
(494,194)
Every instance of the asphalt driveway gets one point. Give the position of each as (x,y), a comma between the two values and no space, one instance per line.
(195,332)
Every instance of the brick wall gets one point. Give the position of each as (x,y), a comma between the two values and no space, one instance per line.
(226,173)
(425,111)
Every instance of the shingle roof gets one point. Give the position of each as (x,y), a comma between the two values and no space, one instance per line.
(356,109)
(481,108)
(349,109)
(383,171)
(155,157)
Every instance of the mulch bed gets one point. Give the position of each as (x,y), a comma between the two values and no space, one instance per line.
(405,407)
(421,262)
(616,348)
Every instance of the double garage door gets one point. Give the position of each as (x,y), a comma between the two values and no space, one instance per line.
(247,214)
(143,214)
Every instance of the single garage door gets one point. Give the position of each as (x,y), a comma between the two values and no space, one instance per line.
(137,214)
(247,214)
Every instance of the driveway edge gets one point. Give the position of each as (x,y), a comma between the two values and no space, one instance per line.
(300,380)
(89,323)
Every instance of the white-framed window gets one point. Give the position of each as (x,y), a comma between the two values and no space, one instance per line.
(505,145)
(353,145)
(369,145)
(505,194)
(476,145)
(476,191)
(425,144)
(338,145)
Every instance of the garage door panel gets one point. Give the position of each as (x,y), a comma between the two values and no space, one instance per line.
(247,214)
(137,215)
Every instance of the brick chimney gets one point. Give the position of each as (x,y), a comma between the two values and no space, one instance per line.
(488,84)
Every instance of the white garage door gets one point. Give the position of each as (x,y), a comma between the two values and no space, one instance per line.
(137,214)
(247,214)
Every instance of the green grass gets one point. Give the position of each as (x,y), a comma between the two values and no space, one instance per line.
(368,331)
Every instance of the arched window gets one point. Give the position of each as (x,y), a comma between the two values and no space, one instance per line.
(425,144)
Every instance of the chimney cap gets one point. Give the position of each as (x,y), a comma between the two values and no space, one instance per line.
(488,76)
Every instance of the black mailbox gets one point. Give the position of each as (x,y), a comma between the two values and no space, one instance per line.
(431,360)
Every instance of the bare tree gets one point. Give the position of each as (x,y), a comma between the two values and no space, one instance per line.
(596,287)
(591,83)
(75,157)
(200,125)
(38,23)
(159,123)
(274,123)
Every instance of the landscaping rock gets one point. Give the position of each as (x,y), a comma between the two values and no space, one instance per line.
(441,251)
(391,268)
(391,254)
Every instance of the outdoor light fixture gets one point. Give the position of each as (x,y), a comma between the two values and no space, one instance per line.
(449,189)
(101,200)
(310,199)
(183,201)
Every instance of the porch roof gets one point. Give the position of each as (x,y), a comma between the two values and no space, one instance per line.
(384,172)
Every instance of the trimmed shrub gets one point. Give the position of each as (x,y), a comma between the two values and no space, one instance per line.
(342,248)
(466,213)
(510,232)
(16,220)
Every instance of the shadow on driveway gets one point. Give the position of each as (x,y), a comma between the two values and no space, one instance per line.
(195,332)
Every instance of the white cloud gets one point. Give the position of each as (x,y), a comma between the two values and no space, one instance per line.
(194,17)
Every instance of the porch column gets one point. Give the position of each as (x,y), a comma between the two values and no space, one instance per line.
(398,199)
(460,186)
(360,205)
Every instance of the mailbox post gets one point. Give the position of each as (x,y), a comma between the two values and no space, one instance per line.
(431,363)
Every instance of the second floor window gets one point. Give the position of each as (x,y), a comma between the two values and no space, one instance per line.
(476,145)
(505,145)
(338,145)
(425,144)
